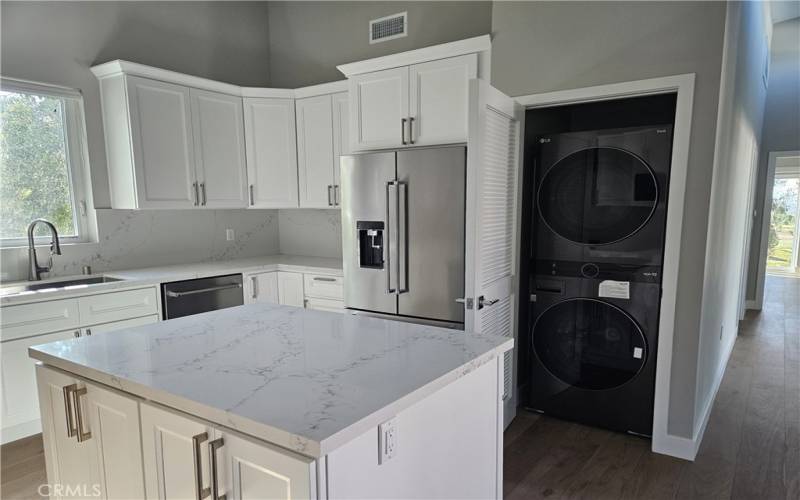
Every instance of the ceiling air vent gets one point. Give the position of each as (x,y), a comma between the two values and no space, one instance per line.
(388,28)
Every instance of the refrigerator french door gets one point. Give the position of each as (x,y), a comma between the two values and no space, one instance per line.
(403,233)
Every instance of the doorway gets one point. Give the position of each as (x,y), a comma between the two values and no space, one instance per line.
(784,217)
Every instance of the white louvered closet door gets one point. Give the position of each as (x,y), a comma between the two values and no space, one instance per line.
(492,173)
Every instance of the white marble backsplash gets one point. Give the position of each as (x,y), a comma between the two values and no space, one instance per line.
(311,232)
(144,238)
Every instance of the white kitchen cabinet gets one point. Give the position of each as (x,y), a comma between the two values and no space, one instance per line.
(69,462)
(290,289)
(163,146)
(258,470)
(119,325)
(438,98)
(379,109)
(113,421)
(218,126)
(261,287)
(329,305)
(271,146)
(315,151)
(19,406)
(419,105)
(341,137)
(26,320)
(175,454)
(115,306)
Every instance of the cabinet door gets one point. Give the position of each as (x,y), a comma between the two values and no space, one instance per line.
(250,470)
(262,287)
(113,420)
(218,124)
(315,151)
(119,325)
(68,461)
(341,138)
(438,99)
(378,108)
(171,447)
(269,126)
(290,289)
(163,147)
(19,406)
(325,305)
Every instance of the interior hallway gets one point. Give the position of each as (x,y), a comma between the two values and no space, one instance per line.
(751,447)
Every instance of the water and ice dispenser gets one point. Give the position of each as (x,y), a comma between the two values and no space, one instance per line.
(370,244)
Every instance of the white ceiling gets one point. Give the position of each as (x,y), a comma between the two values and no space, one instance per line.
(784,10)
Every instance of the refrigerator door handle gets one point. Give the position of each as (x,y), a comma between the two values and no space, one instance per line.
(402,237)
(389,239)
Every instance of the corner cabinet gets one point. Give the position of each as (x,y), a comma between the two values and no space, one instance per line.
(271,152)
(418,105)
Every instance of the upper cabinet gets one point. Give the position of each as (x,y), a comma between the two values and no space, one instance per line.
(271,152)
(322,135)
(379,108)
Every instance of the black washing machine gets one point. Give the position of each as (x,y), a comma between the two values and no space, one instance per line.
(593,340)
(601,195)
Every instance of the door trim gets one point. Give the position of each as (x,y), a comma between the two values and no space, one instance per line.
(683,86)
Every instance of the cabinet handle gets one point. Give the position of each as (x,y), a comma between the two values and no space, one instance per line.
(203,190)
(403,131)
(196,194)
(251,196)
(198,465)
(68,390)
(255,285)
(89,331)
(77,333)
(336,195)
(82,436)
(320,278)
(330,198)
(411,130)
(213,446)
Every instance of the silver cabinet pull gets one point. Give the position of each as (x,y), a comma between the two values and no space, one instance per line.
(77,333)
(252,198)
(411,130)
(203,190)
(255,285)
(213,446)
(320,278)
(403,131)
(198,466)
(330,199)
(89,332)
(172,294)
(68,390)
(82,436)
(196,194)
(336,189)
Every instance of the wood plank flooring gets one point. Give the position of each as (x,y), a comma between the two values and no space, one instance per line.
(751,448)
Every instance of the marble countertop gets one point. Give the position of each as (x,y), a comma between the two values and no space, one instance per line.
(133,278)
(305,380)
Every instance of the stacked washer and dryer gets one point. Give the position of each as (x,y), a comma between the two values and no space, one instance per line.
(597,242)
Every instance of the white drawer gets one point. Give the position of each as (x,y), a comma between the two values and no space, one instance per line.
(38,318)
(118,305)
(324,286)
(325,305)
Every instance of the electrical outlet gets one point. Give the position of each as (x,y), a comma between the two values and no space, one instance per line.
(387,440)
(229,234)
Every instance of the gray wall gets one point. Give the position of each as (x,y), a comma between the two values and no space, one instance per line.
(308,39)
(311,232)
(781,125)
(57,42)
(543,46)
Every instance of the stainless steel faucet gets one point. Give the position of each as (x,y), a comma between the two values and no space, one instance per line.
(34,269)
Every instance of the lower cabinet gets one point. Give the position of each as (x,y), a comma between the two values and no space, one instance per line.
(261,287)
(318,304)
(290,289)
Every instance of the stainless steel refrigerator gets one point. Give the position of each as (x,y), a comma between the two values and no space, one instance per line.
(403,234)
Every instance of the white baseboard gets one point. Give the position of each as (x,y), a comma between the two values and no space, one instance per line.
(752,304)
(19,431)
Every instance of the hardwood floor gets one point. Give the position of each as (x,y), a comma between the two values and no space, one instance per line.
(751,447)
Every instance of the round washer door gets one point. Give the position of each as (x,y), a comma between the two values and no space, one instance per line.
(597,196)
(589,344)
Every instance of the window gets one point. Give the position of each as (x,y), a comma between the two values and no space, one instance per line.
(42,157)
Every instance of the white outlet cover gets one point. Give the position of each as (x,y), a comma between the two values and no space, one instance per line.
(229,235)
(387,440)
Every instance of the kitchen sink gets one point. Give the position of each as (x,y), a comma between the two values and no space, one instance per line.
(55,285)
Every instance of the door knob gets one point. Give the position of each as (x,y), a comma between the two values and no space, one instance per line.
(467,301)
(483,302)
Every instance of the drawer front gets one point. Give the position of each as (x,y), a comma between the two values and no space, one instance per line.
(38,318)
(324,286)
(325,305)
(119,325)
(118,305)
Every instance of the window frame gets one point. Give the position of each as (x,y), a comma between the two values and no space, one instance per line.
(76,146)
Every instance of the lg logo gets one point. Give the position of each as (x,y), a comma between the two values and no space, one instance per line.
(69,490)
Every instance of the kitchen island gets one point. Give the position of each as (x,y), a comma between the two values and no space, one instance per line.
(268,401)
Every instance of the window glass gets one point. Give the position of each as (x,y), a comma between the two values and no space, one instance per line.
(35,180)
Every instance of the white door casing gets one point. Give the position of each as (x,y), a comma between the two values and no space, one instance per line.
(495,130)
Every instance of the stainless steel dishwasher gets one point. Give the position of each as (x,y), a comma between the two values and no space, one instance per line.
(184,298)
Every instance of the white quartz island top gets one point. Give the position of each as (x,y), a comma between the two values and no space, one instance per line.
(306,380)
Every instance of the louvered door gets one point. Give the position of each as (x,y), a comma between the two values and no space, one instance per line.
(495,123)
